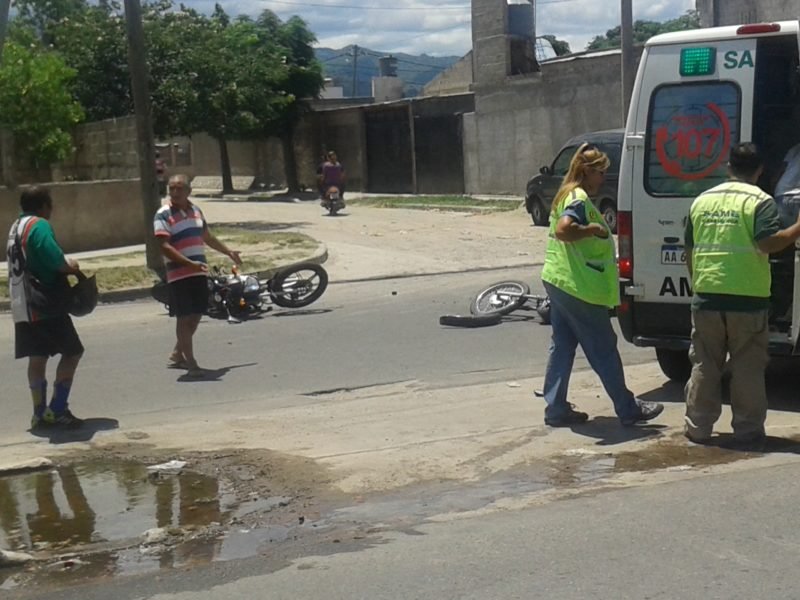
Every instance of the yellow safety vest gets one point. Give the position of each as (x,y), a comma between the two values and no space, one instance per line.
(586,269)
(725,257)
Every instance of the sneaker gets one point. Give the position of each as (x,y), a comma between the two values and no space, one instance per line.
(38,422)
(696,439)
(571,417)
(65,419)
(645,412)
(754,442)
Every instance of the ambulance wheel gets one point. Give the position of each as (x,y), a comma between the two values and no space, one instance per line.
(675,364)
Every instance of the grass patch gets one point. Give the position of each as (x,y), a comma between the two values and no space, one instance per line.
(269,250)
(449,203)
(245,237)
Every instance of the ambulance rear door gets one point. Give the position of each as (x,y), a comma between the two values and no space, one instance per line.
(699,99)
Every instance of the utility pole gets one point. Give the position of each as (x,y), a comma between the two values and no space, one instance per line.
(355,69)
(144,128)
(628,62)
(6,140)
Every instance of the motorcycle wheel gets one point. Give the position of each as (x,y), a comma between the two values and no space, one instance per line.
(470,321)
(492,301)
(298,286)
(333,210)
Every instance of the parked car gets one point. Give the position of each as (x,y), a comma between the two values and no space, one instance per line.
(543,187)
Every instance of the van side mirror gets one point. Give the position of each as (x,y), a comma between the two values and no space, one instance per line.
(545,170)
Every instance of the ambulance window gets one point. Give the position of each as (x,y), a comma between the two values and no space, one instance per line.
(690,131)
(561,163)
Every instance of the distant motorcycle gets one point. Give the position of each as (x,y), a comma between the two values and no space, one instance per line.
(236,296)
(332,200)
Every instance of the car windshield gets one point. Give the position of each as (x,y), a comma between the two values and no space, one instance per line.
(561,163)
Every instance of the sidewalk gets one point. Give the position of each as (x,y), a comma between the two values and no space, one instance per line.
(374,243)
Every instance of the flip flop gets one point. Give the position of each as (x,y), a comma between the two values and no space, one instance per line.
(196,372)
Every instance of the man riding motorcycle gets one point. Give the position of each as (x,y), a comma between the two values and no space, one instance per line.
(332,175)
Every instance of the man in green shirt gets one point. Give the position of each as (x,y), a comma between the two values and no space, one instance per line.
(37,271)
(731,230)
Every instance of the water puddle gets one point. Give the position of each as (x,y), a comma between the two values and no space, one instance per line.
(104,519)
(575,469)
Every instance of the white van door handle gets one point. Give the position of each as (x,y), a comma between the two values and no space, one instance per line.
(635,140)
(636,291)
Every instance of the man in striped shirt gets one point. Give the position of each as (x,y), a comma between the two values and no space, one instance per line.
(183,233)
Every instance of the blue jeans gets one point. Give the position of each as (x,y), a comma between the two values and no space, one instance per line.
(577,322)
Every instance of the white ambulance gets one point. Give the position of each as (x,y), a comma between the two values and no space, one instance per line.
(697,93)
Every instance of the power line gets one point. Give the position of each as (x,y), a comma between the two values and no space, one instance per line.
(333,58)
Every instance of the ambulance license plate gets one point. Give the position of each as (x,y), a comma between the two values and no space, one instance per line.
(673,255)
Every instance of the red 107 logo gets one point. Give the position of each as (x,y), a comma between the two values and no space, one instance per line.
(693,144)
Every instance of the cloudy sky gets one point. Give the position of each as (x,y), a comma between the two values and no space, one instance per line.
(440,27)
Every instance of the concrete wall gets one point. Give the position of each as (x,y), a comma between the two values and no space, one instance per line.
(87,215)
(387,89)
(735,12)
(518,126)
(107,150)
(455,80)
(340,130)
(490,45)
(103,150)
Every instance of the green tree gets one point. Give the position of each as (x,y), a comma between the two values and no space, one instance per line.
(36,105)
(303,80)
(239,73)
(559,46)
(176,41)
(644,30)
(91,39)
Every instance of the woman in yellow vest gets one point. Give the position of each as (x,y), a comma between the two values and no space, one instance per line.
(581,279)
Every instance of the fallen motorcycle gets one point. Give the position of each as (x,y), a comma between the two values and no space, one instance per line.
(499,299)
(236,296)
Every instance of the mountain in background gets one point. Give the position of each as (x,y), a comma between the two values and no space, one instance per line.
(414,70)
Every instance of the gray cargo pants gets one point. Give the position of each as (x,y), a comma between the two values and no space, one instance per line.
(745,336)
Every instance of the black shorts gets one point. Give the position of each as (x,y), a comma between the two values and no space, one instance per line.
(188,296)
(47,337)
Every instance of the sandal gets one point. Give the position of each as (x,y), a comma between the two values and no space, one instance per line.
(173,362)
(196,372)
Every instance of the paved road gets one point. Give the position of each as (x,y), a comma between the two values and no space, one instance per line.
(357,335)
(725,537)
(716,536)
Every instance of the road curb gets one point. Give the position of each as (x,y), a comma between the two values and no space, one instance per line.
(319,257)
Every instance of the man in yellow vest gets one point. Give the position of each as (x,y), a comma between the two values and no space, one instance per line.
(731,230)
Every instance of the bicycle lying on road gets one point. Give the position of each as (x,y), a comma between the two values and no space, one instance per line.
(500,299)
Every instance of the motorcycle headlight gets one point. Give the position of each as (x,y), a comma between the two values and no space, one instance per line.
(251,284)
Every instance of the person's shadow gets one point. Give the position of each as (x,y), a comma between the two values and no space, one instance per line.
(609,432)
(768,445)
(87,431)
(211,374)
